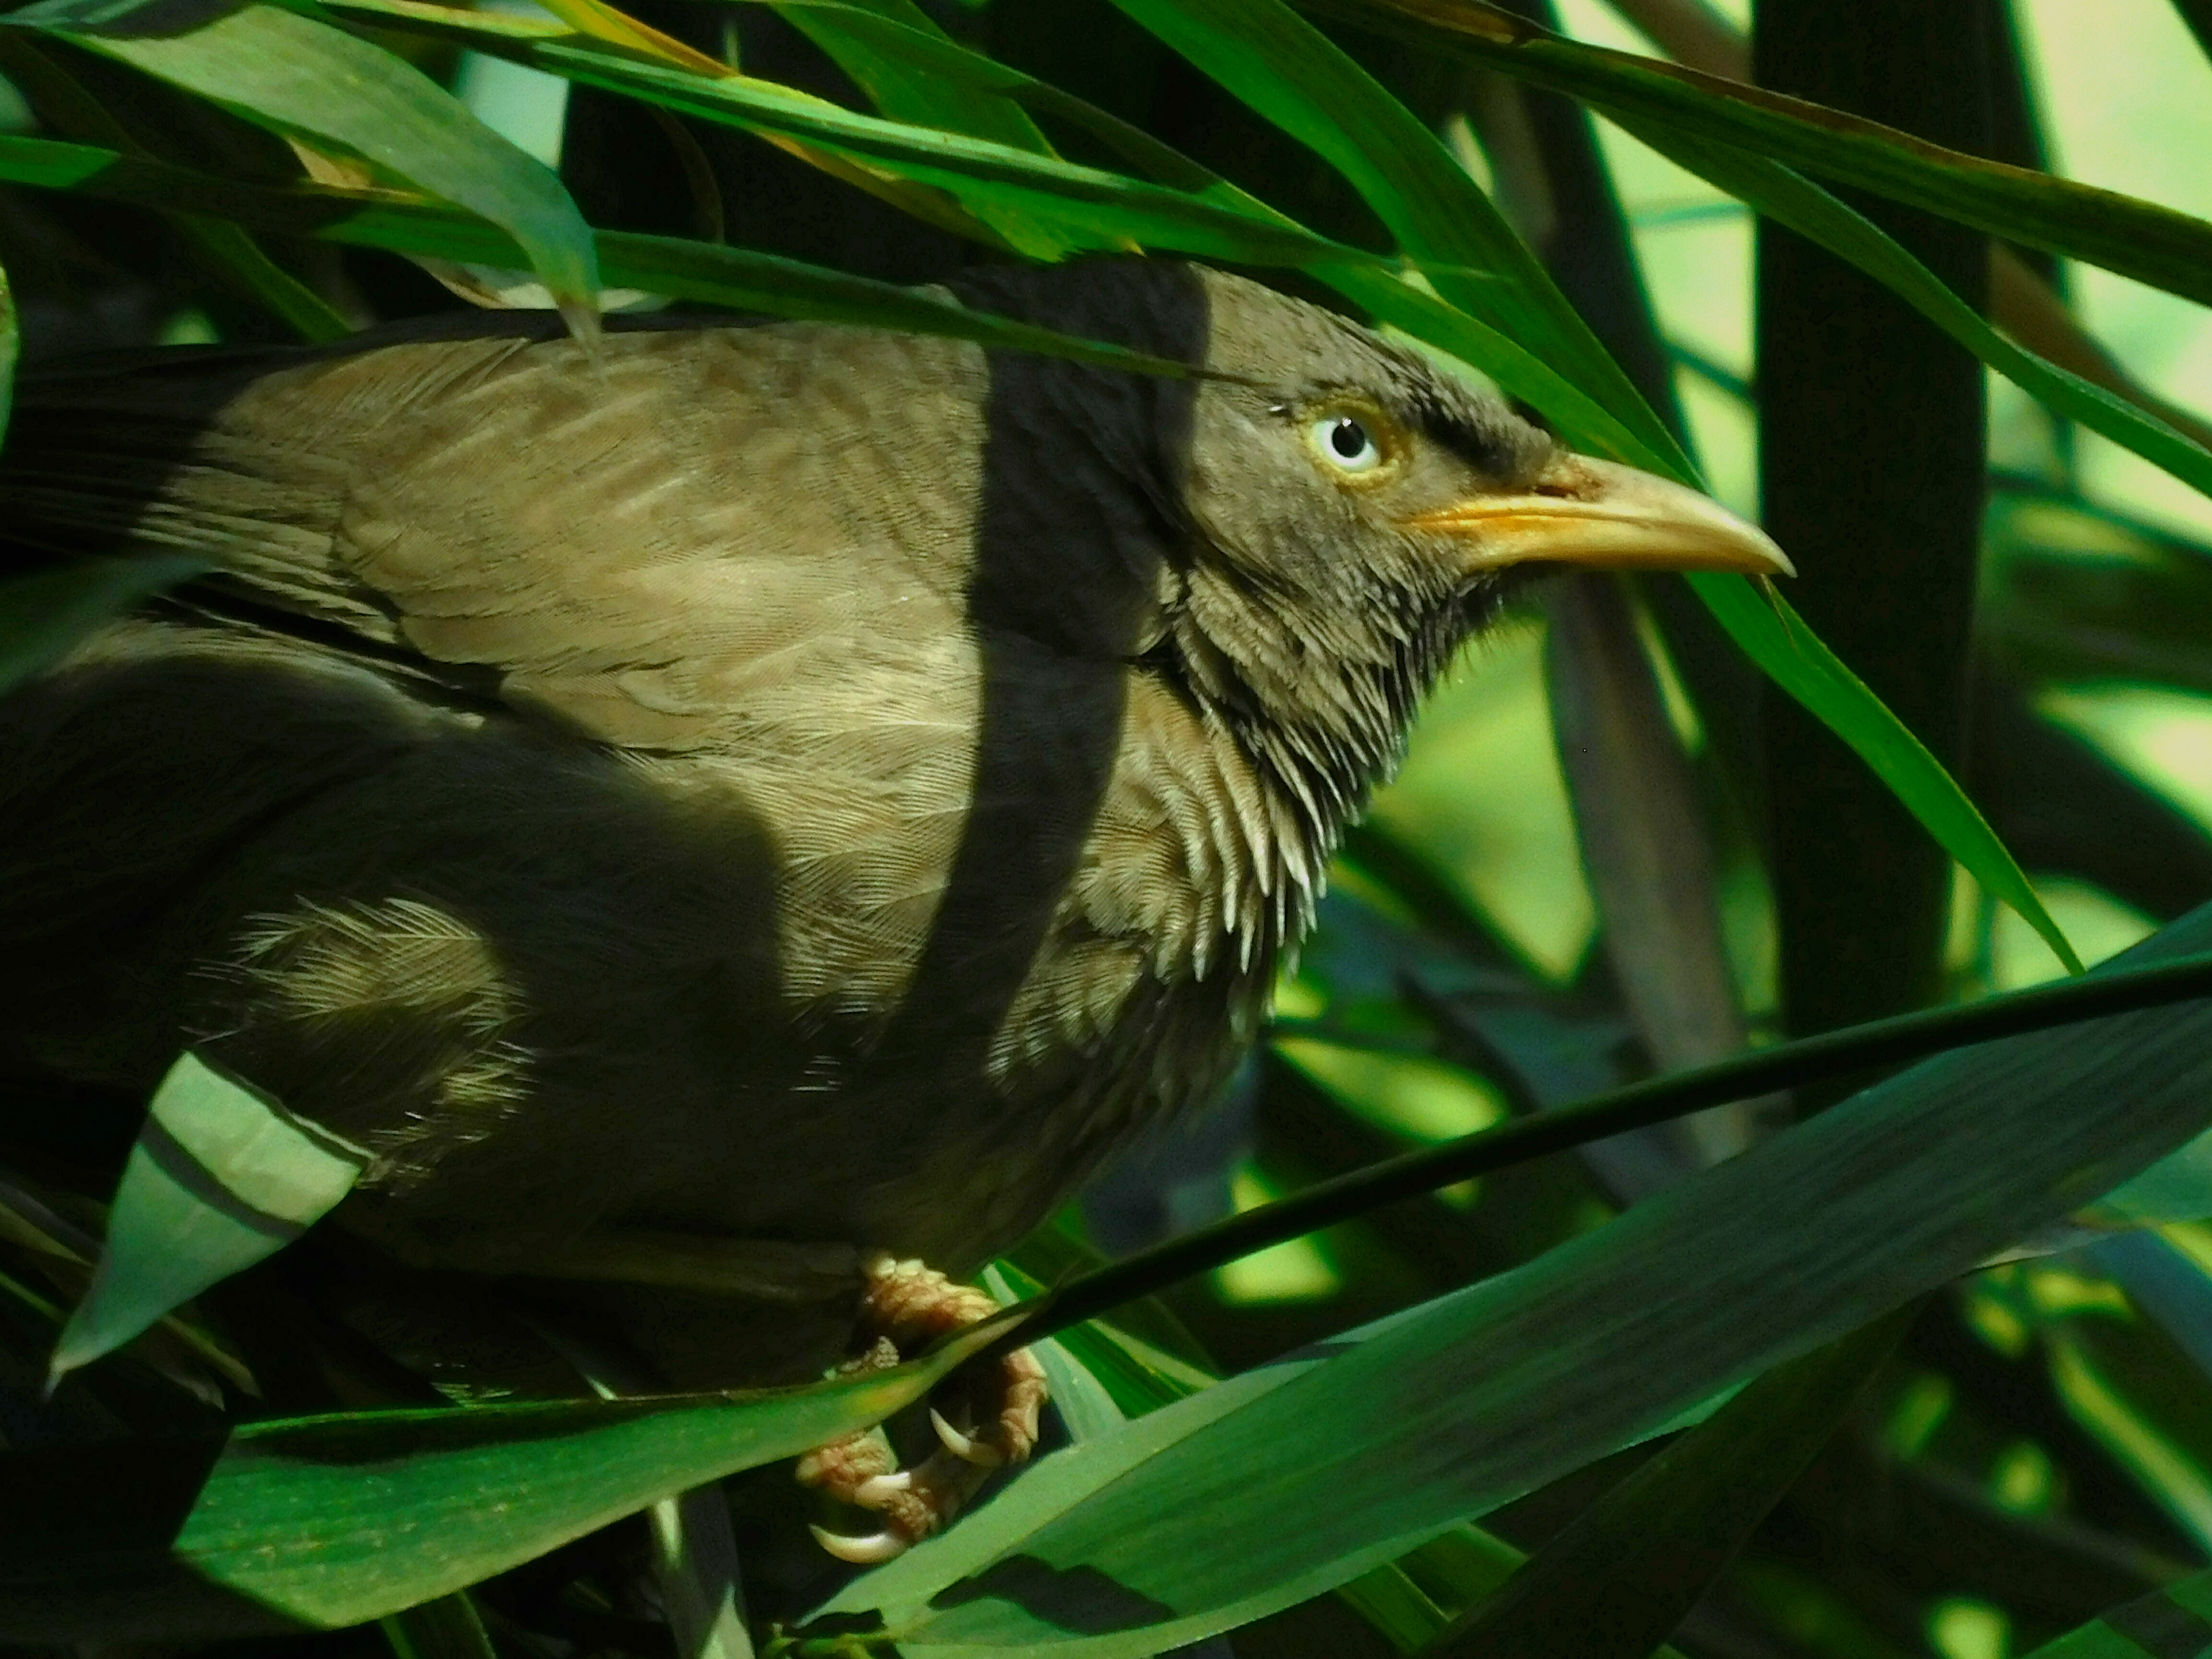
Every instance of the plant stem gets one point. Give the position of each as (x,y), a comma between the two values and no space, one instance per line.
(1854,1048)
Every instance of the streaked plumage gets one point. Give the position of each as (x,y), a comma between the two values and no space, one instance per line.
(784,783)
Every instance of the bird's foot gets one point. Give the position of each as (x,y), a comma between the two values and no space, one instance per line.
(992,1419)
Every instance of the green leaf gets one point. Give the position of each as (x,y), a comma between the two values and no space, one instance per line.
(447,1628)
(221,1177)
(906,87)
(1618,1577)
(1805,207)
(1092,207)
(73,112)
(735,277)
(326,1522)
(1291,73)
(2173,1623)
(43,616)
(901,83)
(1795,658)
(1173,1527)
(2137,238)
(2175,1188)
(304,78)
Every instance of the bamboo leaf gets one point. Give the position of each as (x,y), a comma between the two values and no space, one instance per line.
(735,277)
(296,75)
(1789,199)
(1093,207)
(2137,238)
(221,1177)
(324,1522)
(1617,1579)
(1295,77)
(906,91)
(1381,1438)
(1774,637)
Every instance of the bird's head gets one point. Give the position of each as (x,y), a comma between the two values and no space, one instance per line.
(1338,514)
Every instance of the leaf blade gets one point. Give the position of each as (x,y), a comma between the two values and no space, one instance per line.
(282,70)
(1381,1438)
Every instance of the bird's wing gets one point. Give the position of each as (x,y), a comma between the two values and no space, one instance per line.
(636,541)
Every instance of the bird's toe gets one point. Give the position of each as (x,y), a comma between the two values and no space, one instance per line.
(907,1306)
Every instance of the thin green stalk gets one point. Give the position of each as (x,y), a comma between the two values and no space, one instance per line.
(1787,1065)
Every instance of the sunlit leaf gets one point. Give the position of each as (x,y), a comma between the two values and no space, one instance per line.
(918,91)
(296,75)
(2137,238)
(1773,635)
(734,277)
(1093,207)
(1785,196)
(221,1177)
(70,110)
(1379,1442)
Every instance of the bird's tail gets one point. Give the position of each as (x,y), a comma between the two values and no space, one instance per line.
(93,452)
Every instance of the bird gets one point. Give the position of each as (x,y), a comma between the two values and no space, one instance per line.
(741,817)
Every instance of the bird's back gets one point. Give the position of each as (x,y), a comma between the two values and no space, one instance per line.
(617,746)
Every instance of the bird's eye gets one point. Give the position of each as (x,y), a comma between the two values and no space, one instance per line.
(1345,442)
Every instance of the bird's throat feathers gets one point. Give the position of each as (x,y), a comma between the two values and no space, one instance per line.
(1317,699)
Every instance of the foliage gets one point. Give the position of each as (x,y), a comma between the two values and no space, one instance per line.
(1766,1401)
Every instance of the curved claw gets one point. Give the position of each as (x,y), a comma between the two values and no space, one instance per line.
(870,1493)
(871,1551)
(968,1449)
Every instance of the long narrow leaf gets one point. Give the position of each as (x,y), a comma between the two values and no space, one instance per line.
(1288,1480)
(1794,656)
(1295,77)
(2138,238)
(1623,1574)
(1811,212)
(735,277)
(320,1523)
(221,1177)
(905,90)
(1094,207)
(297,75)
(68,109)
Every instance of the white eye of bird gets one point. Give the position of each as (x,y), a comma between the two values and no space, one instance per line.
(1344,442)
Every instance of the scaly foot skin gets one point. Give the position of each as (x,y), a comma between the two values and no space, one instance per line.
(906,1307)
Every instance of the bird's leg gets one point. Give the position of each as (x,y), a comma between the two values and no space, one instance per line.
(905,1307)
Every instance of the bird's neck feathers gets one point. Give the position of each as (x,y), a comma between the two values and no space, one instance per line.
(1318,698)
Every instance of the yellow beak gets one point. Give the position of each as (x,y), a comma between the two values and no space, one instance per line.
(1599,513)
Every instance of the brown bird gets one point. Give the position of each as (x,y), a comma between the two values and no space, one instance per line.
(728,814)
